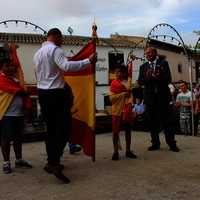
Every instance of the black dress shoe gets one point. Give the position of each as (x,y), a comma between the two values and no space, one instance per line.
(174,148)
(61,166)
(129,154)
(56,171)
(153,147)
(115,156)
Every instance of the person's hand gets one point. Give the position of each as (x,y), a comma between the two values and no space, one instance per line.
(23,92)
(157,75)
(133,114)
(127,94)
(149,73)
(27,92)
(93,58)
(178,104)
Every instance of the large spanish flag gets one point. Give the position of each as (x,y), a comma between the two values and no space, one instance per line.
(83,87)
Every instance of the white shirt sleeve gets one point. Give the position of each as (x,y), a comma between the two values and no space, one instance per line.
(171,87)
(63,63)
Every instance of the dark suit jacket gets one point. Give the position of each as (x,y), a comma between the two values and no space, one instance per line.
(163,92)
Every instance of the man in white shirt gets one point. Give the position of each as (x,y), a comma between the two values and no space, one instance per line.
(50,62)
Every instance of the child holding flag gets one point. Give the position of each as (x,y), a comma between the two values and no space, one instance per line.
(121,98)
(14,103)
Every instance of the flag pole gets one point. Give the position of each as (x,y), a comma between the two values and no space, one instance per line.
(94,40)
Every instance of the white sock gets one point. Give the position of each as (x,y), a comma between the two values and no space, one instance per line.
(18,160)
(6,162)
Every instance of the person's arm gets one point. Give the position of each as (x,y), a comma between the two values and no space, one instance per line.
(66,65)
(183,105)
(141,113)
(172,89)
(144,77)
(22,92)
(179,104)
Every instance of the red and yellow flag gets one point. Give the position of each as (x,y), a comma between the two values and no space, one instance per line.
(82,84)
(19,73)
(8,88)
(129,101)
(121,103)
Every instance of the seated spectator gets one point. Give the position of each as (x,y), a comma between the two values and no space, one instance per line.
(138,92)
(139,111)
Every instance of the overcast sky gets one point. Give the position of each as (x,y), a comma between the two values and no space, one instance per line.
(126,17)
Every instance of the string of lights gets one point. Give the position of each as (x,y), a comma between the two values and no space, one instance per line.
(26,23)
(152,35)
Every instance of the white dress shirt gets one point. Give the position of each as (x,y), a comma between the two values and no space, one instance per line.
(50,62)
(154,64)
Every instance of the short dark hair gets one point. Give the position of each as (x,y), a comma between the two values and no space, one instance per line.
(5,60)
(138,98)
(54,31)
(184,82)
(123,68)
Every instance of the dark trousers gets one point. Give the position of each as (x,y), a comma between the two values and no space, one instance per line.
(58,120)
(196,122)
(157,112)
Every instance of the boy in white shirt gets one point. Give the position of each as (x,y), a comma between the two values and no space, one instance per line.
(184,102)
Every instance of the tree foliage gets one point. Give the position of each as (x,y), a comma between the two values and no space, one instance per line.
(198,45)
(196,32)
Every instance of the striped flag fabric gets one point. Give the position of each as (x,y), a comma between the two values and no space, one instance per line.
(120,102)
(19,73)
(129,101)
(8,88)
(82,84)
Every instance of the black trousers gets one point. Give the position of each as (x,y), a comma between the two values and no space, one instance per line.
(58,120)
(157,112)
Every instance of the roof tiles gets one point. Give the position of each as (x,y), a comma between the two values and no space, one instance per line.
(117,41)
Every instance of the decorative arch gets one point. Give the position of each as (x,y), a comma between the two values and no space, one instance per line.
(26,23)
(180,42)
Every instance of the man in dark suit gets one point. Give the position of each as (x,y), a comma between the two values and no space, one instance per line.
(155,76)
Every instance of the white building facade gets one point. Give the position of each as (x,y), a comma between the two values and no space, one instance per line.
(111,52)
